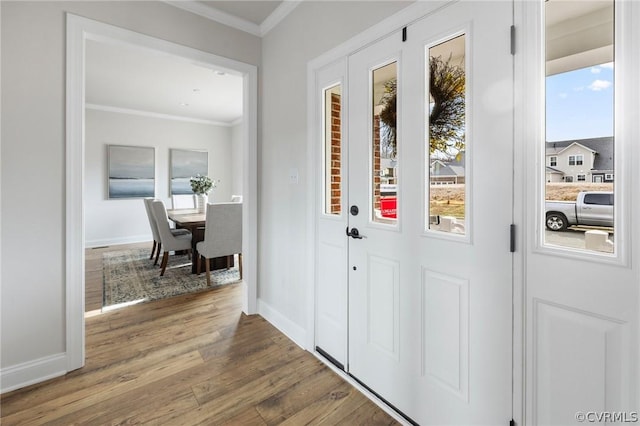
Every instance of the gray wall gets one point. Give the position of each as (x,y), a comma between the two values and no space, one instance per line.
(310,30)
(33,151)
(125,220)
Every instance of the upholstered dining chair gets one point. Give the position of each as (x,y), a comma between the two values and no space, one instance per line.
(171,241)
(222,235)
(183,201)
(157,245)
(154,229)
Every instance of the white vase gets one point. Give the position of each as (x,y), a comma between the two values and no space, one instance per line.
(201,202)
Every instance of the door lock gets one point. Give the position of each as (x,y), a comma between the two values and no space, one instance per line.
(354,233)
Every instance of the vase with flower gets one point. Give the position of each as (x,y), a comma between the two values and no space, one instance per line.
(201,186)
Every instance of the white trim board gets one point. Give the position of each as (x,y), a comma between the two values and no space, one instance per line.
(289,328)
(216,15)
(118,241)
(78,31)
(128,111)
(31,372)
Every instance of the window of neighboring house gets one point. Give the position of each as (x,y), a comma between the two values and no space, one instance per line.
(553,161)
(608,176)
(576,160)
(581,178)
(568,178)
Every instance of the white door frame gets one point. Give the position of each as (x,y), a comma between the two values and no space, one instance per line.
(78,31)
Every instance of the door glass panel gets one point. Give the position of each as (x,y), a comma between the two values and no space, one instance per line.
(446,100)
(579,144)
(332,151)
(384,163)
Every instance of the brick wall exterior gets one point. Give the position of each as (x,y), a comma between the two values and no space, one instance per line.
(336,159)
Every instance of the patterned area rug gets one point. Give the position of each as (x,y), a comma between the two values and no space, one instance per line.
(130,277)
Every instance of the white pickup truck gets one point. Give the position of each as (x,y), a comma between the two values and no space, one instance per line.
(590,208)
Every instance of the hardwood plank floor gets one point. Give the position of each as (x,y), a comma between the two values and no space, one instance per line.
(192,359)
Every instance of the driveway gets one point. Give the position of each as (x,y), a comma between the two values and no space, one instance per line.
(572,238)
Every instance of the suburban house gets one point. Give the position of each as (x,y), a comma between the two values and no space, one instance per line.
(583,160)
(447,172)
(349,291)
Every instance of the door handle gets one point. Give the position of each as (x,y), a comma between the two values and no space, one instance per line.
(354,233)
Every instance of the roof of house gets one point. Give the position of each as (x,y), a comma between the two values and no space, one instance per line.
(552,170)
(447,168)
(448,171)
(603,147)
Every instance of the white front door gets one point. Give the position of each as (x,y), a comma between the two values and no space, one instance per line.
(430,267)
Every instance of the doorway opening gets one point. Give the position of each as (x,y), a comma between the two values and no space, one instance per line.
(79,32)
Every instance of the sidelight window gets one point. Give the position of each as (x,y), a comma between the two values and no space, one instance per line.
(579,90)
(333,150)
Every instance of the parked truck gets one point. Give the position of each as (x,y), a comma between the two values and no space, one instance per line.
(592,208)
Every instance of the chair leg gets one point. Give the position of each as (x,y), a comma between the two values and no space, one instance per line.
(158,253)
(206,266)
(229,261)
(199,267)
(153,250)
(165,260)
(240,264)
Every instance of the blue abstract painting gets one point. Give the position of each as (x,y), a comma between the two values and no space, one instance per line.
(132,171)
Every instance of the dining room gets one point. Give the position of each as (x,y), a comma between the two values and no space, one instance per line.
(153,121)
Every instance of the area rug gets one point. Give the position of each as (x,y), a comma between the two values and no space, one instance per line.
(130,277)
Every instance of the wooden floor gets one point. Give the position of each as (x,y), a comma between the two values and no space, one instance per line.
(192,359)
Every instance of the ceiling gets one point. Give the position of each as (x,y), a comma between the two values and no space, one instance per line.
(252,11)
(124,78)
(139,81)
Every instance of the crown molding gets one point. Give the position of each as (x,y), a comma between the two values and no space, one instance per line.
(281,12)
(128,111)
(218,16)
(210,12)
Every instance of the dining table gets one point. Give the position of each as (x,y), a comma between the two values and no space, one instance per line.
(195,222)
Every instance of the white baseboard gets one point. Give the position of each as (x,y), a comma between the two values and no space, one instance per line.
(31,372)
(118,241)
(290,329)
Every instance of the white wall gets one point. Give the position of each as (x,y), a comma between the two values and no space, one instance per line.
(310,30)
(236,160)
(32,310)
(125,220)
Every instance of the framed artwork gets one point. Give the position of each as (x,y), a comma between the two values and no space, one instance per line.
(185,164)
(132,171)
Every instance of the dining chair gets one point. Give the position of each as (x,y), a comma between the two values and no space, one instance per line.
(222,235)
(157,245)
(183,201)
(236,198)
(170,240)
(154,228)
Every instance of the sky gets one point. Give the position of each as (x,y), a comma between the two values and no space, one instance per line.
(580,103)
